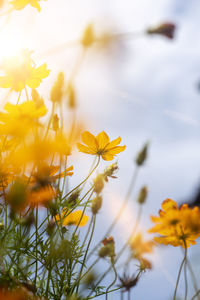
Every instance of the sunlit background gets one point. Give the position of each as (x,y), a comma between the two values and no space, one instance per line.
(143,89)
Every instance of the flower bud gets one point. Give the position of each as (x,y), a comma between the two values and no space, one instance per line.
(88,37)
(36,98)
(110,171)
(55,122)
(57,89)
(71,96)
(142,195)
(142,155)
(50,227)
(98,183)
(96,204)
(165,29)
(108,249)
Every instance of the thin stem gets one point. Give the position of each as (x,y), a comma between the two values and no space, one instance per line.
(19,97)
(113,266)
(179,274)
(36,235)
(27,97)
(86,252)
(123,206)
(185,272)
(83,180)
(193,276)
(195,295)
(124,247)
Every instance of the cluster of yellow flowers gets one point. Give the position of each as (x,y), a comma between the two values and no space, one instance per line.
(28,146)
(177,226)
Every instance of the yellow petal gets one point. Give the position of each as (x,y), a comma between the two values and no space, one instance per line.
(107,156)
(102,140)
(116,150)
(90,140)
(84,149)
(114,143)
(169,204)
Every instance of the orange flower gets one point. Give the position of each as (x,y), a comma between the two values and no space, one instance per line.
(41,196)
(100,145)
(177,226)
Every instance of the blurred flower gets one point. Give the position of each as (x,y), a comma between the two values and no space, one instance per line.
(72,218)
(165,29)
(20,4)
(20,71)
(20,293)
(128,282)
(139,247)
(178,226)
(41,196)
(18,120)
(100,145)
(46,175)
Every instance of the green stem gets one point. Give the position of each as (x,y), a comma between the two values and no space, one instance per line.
(83,180)
(113,282)
(179,274)
(36,235)
(86,252)
(19,97)
(124,203)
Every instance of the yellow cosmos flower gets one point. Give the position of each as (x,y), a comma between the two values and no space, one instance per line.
(76,218)
(100,145)
(20,71)
(177,226)
(46,175)
(139,247)
(17,120)
(20,4)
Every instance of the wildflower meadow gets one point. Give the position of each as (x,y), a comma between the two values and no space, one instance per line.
(61,174)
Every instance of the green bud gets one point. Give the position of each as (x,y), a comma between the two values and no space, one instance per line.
(142,155)
(142,195)
(96,204)
(98,183)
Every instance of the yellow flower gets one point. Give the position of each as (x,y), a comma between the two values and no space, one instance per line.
(100,145)
(76,218)
(20,71)
(17,120)
(177,226)
(139,247)
(46,175)
(20,4)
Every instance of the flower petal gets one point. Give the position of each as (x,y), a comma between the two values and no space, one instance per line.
(90,140)
(84,149)
(107,156)
(102,139)
(114,143)
(116,150)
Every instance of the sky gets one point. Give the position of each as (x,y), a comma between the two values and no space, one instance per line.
(143,90)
